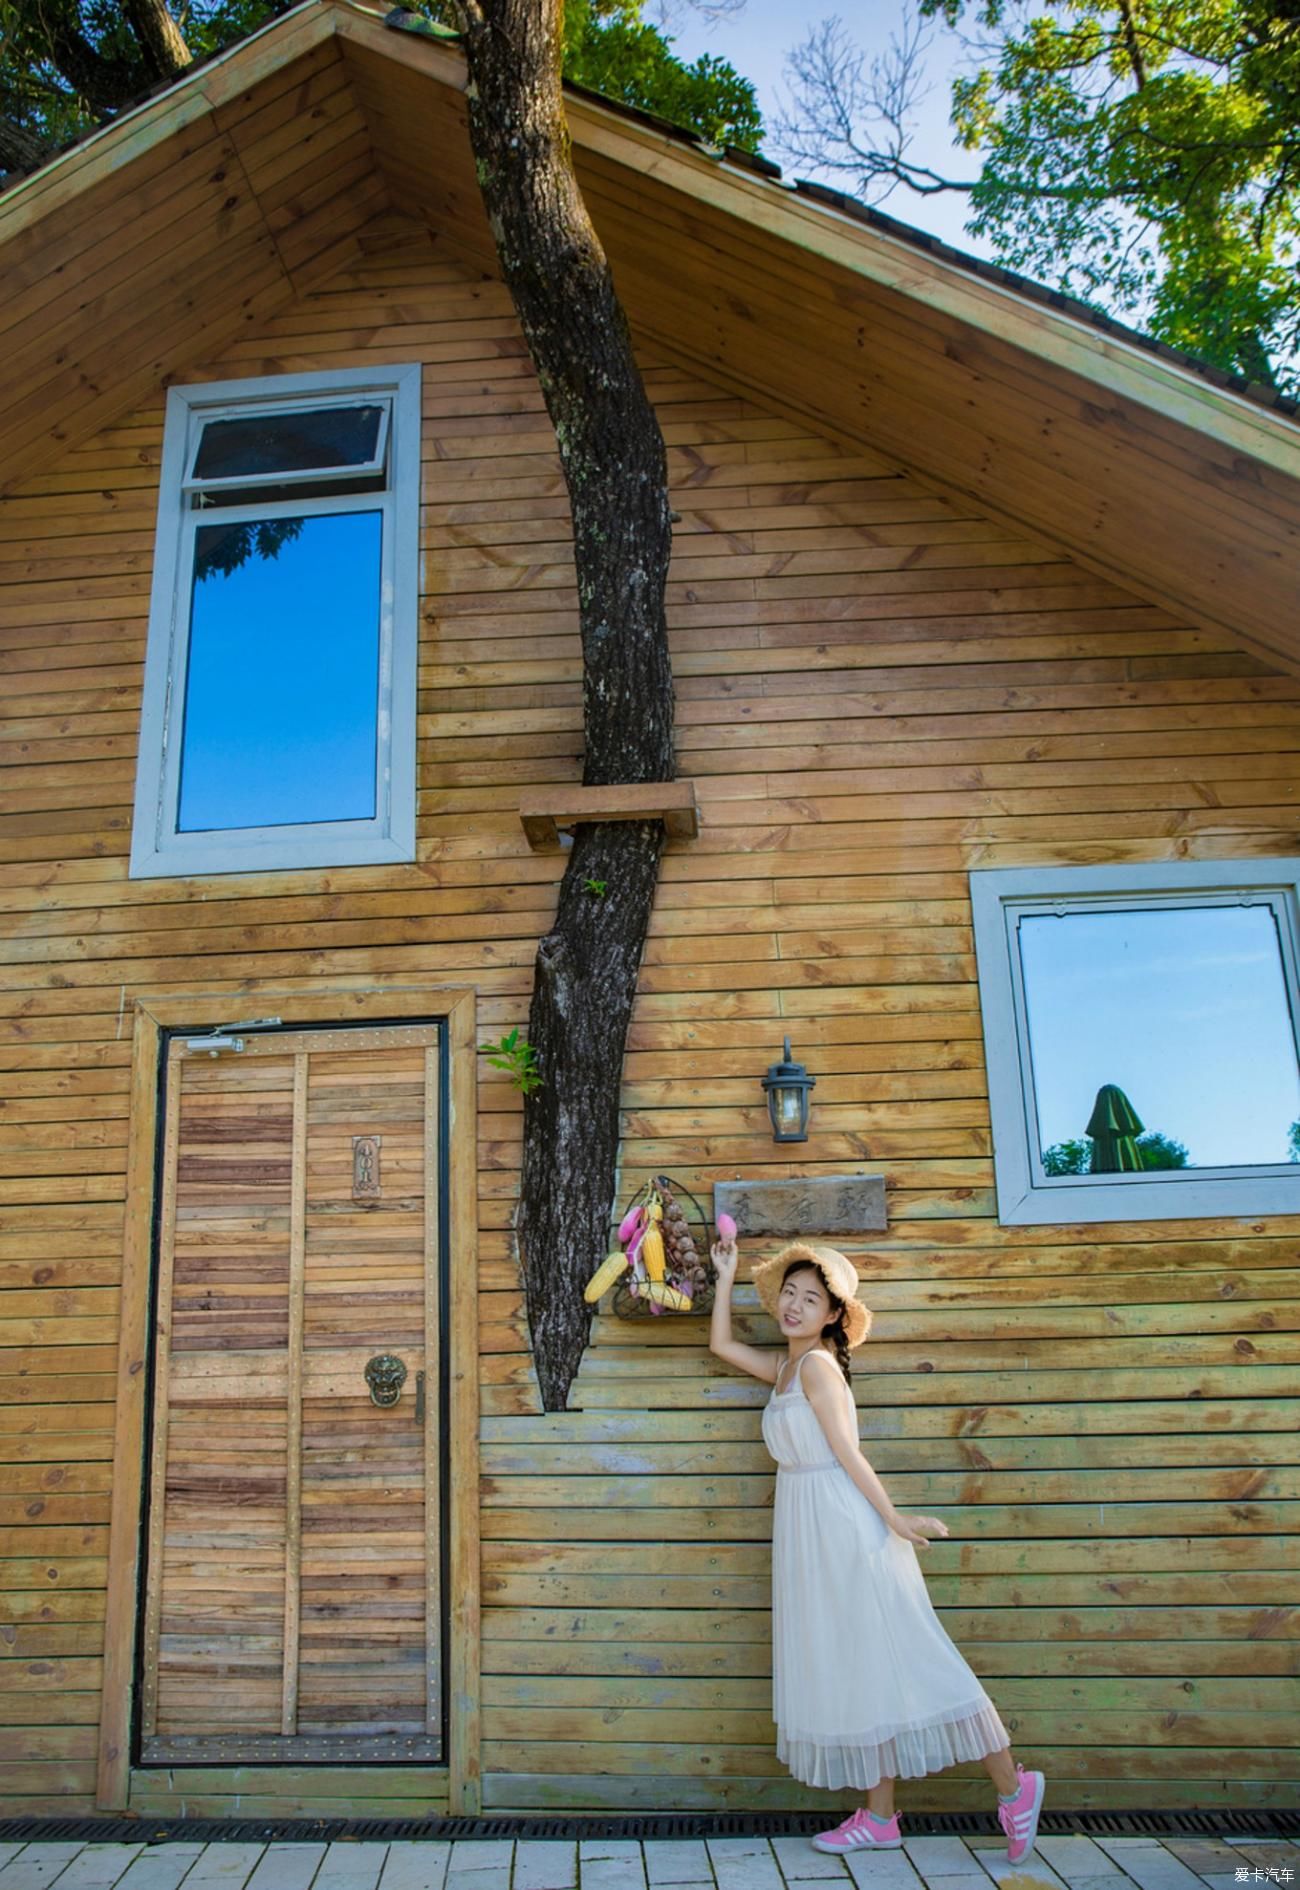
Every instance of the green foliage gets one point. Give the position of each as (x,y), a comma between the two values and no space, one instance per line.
(1145,156)
(210,25)
(1161,1151)
(220,550)
(516,1055)
(34,94)
(1068,1158)
(611,49)
(596,887)
(67,66)
(1157,1151)
(1293,1142)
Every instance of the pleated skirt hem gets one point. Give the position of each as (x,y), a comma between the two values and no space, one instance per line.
(860,1761)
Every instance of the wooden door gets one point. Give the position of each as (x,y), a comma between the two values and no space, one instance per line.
(292,1604)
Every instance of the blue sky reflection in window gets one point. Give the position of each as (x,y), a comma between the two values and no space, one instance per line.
(282,682)
(1184,1007)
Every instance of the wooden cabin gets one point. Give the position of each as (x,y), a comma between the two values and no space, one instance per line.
(983,618)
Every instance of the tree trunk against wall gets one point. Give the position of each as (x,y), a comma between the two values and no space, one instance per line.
(612,454)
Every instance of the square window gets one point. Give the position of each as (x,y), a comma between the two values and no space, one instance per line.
(279,718)
(1140,1035)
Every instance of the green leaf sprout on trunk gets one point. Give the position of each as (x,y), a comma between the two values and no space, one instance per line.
(516,1056)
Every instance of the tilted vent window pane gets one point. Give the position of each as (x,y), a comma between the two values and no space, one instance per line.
(306,441)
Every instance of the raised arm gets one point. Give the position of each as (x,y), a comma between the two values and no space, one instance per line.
(823,1388)
(749,1358)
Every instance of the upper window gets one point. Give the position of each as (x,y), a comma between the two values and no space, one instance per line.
(279,713)
(1140,1035)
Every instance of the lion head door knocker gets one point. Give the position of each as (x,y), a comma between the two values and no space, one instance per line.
(385,1376)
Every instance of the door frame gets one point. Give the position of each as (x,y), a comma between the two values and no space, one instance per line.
(155,1015)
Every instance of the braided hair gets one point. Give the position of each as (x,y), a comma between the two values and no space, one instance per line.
(834,1333)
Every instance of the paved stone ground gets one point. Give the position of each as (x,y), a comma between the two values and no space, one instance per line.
(924,1863)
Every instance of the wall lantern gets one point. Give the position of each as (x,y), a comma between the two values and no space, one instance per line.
(787,1085)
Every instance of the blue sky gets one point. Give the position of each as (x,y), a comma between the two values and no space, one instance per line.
(1184,1008)
(756,40)
(280,695)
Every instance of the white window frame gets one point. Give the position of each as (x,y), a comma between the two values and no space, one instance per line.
(1027,1196)
(158,849)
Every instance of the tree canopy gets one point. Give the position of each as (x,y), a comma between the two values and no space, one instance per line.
(67,66)
(611,49)
(1143,155)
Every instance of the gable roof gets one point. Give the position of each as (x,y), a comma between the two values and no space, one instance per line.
(151,245)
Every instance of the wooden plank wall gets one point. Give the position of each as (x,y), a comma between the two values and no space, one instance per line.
(202,228)
(877,690)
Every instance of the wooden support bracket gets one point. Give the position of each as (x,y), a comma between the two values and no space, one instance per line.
(546,811)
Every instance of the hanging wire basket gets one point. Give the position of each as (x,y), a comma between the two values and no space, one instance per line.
(698,1284)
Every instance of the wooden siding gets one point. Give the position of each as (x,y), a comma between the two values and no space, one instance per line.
(239,190)
(195,217)
(878,688)
(1126,459)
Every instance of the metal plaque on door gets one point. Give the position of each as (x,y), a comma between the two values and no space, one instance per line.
(365,1167)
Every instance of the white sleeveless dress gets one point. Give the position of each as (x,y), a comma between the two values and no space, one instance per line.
(866,1683)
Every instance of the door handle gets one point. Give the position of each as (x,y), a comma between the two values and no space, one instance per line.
(419,1397)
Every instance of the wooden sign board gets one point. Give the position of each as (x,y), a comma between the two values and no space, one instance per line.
(813,1206)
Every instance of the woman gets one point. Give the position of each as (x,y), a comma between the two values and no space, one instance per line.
(867,1685)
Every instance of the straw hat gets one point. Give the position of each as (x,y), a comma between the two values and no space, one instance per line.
(837,1271)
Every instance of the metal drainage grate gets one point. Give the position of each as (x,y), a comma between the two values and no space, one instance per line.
(1227,1823)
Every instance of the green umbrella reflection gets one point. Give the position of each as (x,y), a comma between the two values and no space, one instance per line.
(1114,1127)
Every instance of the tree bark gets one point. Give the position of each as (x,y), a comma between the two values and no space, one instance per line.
(584,984)
(613,459)
(20,150)
(158,37)
(1132,44)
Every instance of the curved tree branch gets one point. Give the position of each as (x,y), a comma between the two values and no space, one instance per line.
(612,454)
(852,119)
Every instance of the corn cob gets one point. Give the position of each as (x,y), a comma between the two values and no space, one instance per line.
(605,1275)
(652,1251)
(669,1296)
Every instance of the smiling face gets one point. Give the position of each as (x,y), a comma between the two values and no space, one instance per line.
(804,1308)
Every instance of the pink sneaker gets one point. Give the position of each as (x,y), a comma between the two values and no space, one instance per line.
(1019,1819)
(860,1832)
